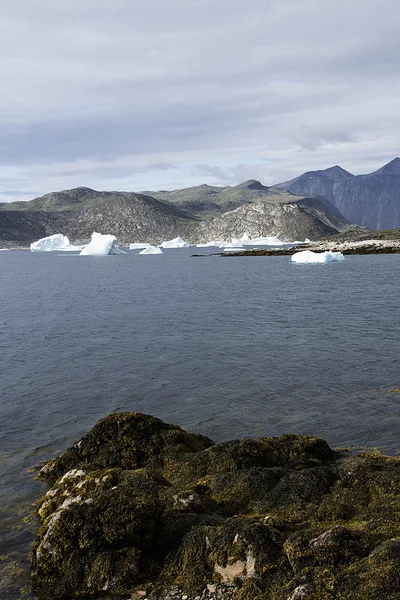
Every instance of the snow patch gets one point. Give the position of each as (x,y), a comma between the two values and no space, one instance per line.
(309,257)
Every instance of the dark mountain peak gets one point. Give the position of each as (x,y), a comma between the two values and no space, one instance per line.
(336,172)
(251,184)
(391,168)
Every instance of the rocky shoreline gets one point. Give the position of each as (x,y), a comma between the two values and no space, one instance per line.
(139,508)
(345,247)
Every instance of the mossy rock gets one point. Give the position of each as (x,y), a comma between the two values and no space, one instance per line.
(140,504)
(86,519)
(128,440)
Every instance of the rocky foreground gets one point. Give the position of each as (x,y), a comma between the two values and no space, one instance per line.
(142,509)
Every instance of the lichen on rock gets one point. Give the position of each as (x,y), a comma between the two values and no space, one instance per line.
(139,504)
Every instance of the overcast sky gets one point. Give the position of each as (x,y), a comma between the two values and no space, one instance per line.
(161,94)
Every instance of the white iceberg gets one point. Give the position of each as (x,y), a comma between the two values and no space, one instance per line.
(151,250)
(101,245)
(309,257)
(245,239)
(175,243)
(54,243)
(266,241)
(233,244)
(138,245)
(233,248)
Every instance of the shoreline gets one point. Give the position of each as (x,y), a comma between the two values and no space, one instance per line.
(361,247)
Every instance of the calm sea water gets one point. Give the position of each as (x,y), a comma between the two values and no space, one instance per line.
(227,347)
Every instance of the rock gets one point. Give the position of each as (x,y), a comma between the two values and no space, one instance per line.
(127,441)
(138,504)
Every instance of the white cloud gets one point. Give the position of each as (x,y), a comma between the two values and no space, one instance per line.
(93,91)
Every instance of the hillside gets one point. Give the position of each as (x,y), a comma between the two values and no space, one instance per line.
(135,217)
(289,221)
(371,200)
(207,201)
(79,212)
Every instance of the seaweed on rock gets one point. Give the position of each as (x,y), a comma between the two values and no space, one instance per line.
(140,504)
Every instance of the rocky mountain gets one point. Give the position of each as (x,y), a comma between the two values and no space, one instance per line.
(371,200)
(131,217)
(288,220)
(207,201)
(78,212)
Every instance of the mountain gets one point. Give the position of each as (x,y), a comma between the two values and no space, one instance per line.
(371,200)
(317,183)
(78,212)
(207,201)
(286,219)
(132,217)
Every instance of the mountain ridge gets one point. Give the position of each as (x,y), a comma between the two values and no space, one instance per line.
(370,200)
(133,217)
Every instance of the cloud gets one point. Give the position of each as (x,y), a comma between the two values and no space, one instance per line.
(93,92)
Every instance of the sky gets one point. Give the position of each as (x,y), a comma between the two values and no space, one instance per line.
(165,94)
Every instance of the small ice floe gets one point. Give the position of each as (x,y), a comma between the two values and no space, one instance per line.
(308,257)
(151,250)
(101,245)
(138,245)
(54,243)
(266,241)
(177,242)
(5,250)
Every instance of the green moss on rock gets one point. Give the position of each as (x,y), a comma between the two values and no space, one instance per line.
(140,504)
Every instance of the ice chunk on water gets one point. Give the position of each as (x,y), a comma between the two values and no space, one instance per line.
(233,248)
(266,241)
(151,250)
(101,245)
(233,244)
(306,256)
(138,245)
(52,243)
(177,242)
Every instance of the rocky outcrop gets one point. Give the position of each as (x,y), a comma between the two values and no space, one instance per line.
(142,509)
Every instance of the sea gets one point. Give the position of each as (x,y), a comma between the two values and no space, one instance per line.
(226,346)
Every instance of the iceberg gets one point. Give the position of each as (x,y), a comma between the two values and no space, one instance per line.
(309,257)
(138,246)
(101,245)
(213,244)
(245,239)
(151,250)
(233,248)
(266,241)
(233,244)
(54,243)
(175,243)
